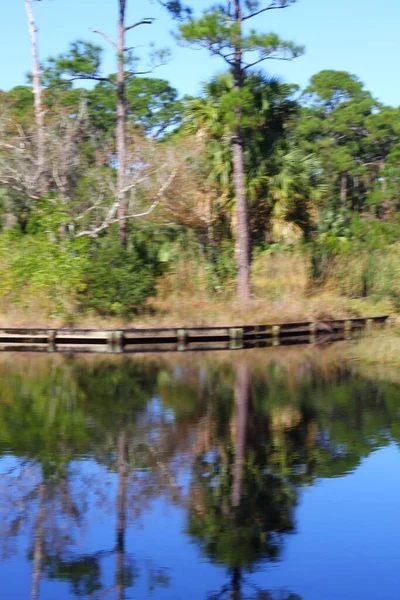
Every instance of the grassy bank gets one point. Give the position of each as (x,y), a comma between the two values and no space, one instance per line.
(382,348)
(185,295)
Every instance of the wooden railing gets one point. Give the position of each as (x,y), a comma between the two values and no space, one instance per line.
(181,339)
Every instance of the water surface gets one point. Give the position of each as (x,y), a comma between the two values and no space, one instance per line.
(257,475)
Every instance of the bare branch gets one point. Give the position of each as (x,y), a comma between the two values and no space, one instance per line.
(223,56)
(134,73)
(11,147)
(110,220)
(272,6)
(106,37)
(130,48)
(136,182)
(263,58)
(148,21)
(91,78)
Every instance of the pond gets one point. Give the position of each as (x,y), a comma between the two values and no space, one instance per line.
(259,475)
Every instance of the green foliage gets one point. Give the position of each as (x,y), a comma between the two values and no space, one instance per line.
(224,266)
(218,32)
(323,167)
(43,267)
(359,258)
(83,61)
(83,574)
(268,109)
(120,280)
(19,101)
(152,105)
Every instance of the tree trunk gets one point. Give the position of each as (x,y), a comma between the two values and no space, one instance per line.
(382,165)
(242,242)
(121,513)
(121,124)
(386,204)
(236,584)
(38,551)
(242,397)
(37,93)
(343,189)
(356,196)
(242,393)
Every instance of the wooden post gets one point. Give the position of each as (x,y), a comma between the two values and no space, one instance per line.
(182,336)
(236,338)
(51,341)
(347,330)
(275,335)
(110,338)
(390,322)
(119,341)
(313,332)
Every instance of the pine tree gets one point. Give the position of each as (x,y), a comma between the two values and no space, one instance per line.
(223,31)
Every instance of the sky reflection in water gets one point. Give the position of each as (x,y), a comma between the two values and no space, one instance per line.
(259,475)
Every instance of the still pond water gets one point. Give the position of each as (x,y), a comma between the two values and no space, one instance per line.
(259,475)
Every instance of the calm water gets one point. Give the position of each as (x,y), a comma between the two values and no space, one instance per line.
(259,475)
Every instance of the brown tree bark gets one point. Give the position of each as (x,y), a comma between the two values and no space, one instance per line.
(386,204)
(121,124)
(343,188)
(242,242)
(382,166)
(242,398)
(38,102)
(242,394)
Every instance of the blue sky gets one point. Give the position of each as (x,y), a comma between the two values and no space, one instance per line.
(360,36)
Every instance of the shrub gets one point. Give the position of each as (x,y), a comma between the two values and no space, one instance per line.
(37,269)
(119,280)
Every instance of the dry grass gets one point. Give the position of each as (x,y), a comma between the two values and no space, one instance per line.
(380,348)
(280,294)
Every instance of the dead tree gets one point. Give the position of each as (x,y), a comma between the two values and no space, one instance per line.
(38,101)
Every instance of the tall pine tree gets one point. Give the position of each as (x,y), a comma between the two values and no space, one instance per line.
(224,31)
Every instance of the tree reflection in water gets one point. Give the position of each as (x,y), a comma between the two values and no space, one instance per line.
(241,504)
(231,442)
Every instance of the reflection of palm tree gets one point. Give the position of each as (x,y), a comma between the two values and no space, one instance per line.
(242,390)
(249,454)
(239,511)
(257,595)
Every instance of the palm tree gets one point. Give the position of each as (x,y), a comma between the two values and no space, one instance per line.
(268,106)
(297,190)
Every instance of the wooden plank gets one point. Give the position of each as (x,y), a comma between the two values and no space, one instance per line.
(23,347)
(7,331)
(104,340)
(84,349)
(150,333)
(70,334)
(198,332)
